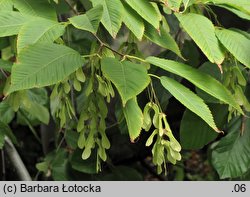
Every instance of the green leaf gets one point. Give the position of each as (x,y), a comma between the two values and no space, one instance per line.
(231,156)
(39,30)
(212,70)
(38,95)
(198,78)
(42,65)
(6,5)
(174,4)
(86,166)
(134,118)
(242,5)
(71,138)
(89,21)
(6,112)
(112,15)
(194,133)
(187,3)
(146,10)
(202,31)
(5,65)
(236,11)
(39,8)
(6,131)
(236,43)
(162,38)
(133,21)
(60,166)
(189,100)
(38,111)
(11,22)
(4,42)
(43,167)
(129,78)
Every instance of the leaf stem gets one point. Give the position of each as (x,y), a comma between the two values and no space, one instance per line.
(91,55)
(155,76)
(134,57)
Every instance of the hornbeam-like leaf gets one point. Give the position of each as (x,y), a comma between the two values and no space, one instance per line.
(11,22)
(5,65)
(187,3)
(6,5)
(112,15)
(89,21)
(133,21)
(190,100)
(231,156)
(6,112)
(43,64)
(39,30)
(39,8)
(174,4)
(198,78)
(202,31)
(236,43)
(146,10)
(236,11)
(129,78)
(195,133)
(242,5)
(162,38)
(134,118)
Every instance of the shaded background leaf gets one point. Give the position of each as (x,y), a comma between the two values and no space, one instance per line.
(194,133)
(231,156)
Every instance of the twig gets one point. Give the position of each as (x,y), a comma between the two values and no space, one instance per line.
(16,161)
(3,166)
(107,46)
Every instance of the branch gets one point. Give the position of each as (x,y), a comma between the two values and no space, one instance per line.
(16,161)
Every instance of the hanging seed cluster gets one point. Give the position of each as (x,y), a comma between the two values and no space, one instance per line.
(91,125)
(166,147)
